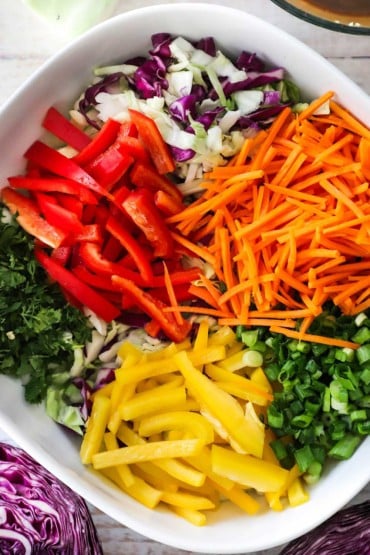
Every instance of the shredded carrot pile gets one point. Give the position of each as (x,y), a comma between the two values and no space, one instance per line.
(286,224)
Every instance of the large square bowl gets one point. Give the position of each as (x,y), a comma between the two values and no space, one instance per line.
(58,83)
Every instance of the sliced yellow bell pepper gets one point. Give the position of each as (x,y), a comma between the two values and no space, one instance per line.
(222,406)
(247,470)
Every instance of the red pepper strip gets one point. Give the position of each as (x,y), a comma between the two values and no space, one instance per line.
(64,129)
(177,278)
(153,141)
(167,204)
(88,215)
(100,142)
(57,215)
(91,256)
(142,210)
(154,308)
(28,216)
(61,255)
(133,248)
(152,328)
(54,185)
(144,176)
(112,249)
(52,160)
(99,282)
(109,166)
(127,129)
(91,233)
(82,292)
(133,147)
(121,193)
(101,215)
(71,203)
(181,293)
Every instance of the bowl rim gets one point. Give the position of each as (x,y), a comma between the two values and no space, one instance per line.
(85,489)
(321,21)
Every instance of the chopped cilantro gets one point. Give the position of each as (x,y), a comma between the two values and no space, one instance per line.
(36,321)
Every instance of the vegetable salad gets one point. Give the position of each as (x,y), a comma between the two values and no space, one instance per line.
(201,238)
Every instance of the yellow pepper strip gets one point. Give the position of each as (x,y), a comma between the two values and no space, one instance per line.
(174,467)
(206,356)
(95,429)
(187,501)
(123,470)
(129,354)
(146,452)
(223,336)
(194,423)
(139,490)
(120,394)
(222,406)
(234,362)
(144,370)
(242,393)
(221,375)
(155,476)
(241,499)
(203,463)
(258,377)
(246,470)
(194,517)
(154,400)
(201,340)
(178,469)
(104,391)
(297,494)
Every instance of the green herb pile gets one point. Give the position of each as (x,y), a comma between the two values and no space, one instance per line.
(321,406)
(38,328)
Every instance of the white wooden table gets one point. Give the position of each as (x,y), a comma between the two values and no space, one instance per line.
(26,42)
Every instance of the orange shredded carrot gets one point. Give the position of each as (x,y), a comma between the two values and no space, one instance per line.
(312,338)
(286,223)
(172,296)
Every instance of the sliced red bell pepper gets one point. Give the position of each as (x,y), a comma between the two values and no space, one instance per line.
(88,216)
(109,166)
(154,308)
(86,295)
(181,293)
(132,146)
(100,142)
(121,193)
(112,249)
(153,141)
(90,255)
(99,282)
(132,246)
(61,254)
(144,176)
(58,216)
(152,328)
(91,233)
(64,129)
(178,277)
(28,216)
(127,129)
(142,210)
(54,185)
(52,160)
(167,204)
(71,203)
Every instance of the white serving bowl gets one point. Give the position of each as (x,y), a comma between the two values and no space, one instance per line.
(58,83)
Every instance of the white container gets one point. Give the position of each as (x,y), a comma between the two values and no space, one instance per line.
(59,82)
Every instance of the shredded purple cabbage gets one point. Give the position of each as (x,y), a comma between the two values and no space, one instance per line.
(89,98)
(207,44)
(345,533)
(39,515)
(182,154)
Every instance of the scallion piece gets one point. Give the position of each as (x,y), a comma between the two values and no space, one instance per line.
(345,447)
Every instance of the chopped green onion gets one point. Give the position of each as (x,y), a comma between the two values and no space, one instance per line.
(345,447)
(304,458)
(363,353)
(253,359)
